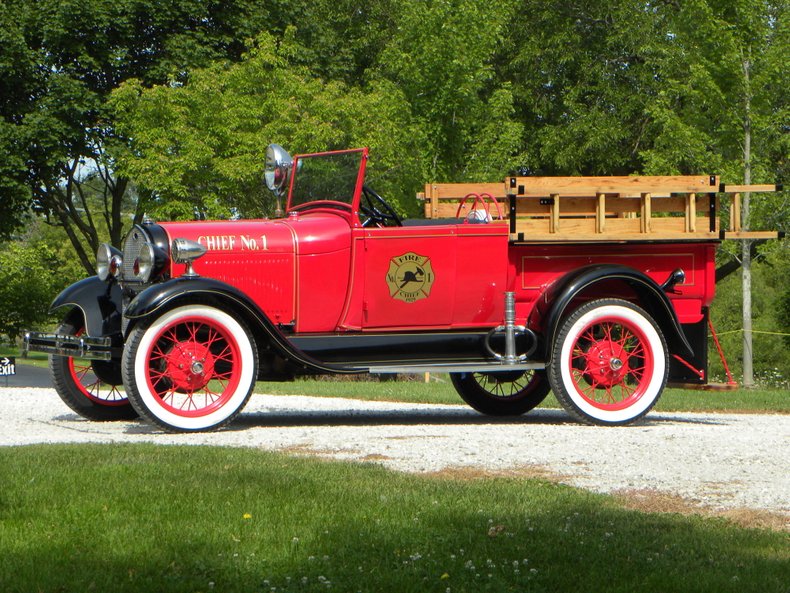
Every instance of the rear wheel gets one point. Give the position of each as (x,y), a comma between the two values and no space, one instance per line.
(193,368)
(92,388)
(502,394)
(609,363)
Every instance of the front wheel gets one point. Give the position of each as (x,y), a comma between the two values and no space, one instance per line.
(191,369)
(502,394)
(609,363)
(89,387)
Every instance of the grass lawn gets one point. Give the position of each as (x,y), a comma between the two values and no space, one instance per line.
(197,519)
(441,391)
(38,359)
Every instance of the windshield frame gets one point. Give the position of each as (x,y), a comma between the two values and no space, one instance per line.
(351,206)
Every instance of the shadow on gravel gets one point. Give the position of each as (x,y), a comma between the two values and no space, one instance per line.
(390,417)
(414,417)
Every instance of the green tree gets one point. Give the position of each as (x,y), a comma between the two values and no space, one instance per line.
(202,145)
(29,276)
(60,60)
(583,74)
(440,55)
(741,55)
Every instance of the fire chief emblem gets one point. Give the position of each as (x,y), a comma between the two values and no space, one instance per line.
(410,277)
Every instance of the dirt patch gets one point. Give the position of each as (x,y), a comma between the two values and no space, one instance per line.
(375,457)
(530,472)
(655,501)
(308,451)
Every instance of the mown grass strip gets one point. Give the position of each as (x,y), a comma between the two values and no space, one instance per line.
(136,518)
(38,359)
(440,391)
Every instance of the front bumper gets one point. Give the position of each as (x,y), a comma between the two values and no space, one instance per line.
(73,346)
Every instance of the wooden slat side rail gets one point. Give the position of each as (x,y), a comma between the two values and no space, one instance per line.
(624,185)
(579,209)
(730,189)
(437,193)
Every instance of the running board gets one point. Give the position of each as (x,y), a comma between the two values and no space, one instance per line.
(465,367)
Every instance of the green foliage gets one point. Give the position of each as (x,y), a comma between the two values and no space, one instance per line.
(769,296)
(28,279)
(204,143)
(59,60)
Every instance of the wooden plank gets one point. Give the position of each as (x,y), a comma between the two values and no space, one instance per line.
(609,237)
(749,188)
(449,191)
(580,207)
(751,234)
(668,224)
(705,386)
(532,207)
(625,185)
(623,226)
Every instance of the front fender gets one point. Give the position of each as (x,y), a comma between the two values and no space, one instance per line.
(177,290)
(99,302)
(554,303)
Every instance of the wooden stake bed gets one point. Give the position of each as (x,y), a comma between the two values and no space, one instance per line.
(601,209)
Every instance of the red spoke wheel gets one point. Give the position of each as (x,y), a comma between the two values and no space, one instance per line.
(502,394)
(92,388)
(609,363)
(193,368)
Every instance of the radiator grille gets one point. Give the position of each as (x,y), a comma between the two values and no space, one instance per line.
(131,247)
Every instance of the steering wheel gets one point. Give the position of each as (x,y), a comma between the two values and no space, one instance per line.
(377,210)
(481,200)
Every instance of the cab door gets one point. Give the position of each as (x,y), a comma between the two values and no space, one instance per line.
(409,277)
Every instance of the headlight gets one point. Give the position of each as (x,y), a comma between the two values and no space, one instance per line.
(144,264)
(142,259)
(108,261)
(185,251)
(278,166)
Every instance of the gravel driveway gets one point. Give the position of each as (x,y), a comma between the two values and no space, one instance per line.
(720,461)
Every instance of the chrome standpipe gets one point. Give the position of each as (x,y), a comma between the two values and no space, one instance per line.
(511,330)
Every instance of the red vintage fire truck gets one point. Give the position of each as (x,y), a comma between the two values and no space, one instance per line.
(595,288)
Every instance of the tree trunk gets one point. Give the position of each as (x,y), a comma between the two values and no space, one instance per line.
(746,255)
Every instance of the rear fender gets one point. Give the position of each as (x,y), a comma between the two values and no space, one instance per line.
(99,302)
(555,303)
(166,295)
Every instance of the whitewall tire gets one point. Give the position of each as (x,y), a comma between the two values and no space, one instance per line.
(193,368)
(609,362)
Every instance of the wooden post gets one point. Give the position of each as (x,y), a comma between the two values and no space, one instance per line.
(691,213)
(555,214)
(735,212)
(646,213)
(600,213)
(434,202)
